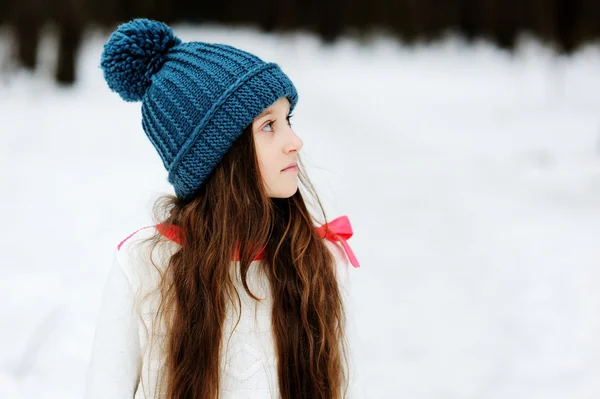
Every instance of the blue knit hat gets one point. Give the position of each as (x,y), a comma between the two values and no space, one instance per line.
(197,98)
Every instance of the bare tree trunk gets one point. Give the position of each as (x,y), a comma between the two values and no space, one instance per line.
(587,23)
(329,21)
(567,13)
(541,17)
(27,19)
(70,21)
(4,11)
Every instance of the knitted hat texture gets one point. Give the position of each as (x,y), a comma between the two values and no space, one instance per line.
(197,97)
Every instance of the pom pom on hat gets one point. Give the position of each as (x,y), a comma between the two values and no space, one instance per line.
(133,53)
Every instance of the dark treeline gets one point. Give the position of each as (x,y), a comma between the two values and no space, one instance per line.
(565,23)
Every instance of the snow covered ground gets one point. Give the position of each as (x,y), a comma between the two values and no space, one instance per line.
(471,178)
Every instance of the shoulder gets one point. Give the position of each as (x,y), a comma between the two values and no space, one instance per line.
(139,257)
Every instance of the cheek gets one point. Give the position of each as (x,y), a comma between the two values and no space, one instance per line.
(264,157)
(267,168)
(264,165)
(267,160)
(260,154)
(264,170)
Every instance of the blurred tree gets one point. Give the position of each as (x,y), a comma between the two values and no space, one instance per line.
(27,19)
(403,17)
(4,11)
(541,17)
(588,23)
(442,16)
(267,14)
(70,19)
(567,13)
(357,15)
(163,10)
(329,19)
(506,21)
(104,12)
(568,23)
(476,18)
(288,15)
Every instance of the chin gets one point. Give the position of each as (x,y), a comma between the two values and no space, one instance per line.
(287,193)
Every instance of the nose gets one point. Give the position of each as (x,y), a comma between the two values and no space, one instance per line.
(295,143)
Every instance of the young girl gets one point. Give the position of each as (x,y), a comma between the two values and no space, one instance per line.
(234,292)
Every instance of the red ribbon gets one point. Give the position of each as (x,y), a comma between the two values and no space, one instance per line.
(338,230)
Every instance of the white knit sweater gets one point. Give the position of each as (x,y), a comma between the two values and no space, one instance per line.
(125,365)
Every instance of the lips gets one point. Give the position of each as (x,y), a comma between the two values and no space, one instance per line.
(290,166)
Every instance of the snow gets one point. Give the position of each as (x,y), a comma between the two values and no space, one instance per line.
(471,178)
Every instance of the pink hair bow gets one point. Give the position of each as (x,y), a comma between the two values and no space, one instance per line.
(339,229)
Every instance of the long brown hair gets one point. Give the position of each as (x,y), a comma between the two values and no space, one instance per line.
(308,317)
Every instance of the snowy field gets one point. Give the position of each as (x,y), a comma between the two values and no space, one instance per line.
(471,178)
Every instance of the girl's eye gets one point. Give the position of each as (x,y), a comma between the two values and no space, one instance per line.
(270,124)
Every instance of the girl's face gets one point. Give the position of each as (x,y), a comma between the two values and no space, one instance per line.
(277,147)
